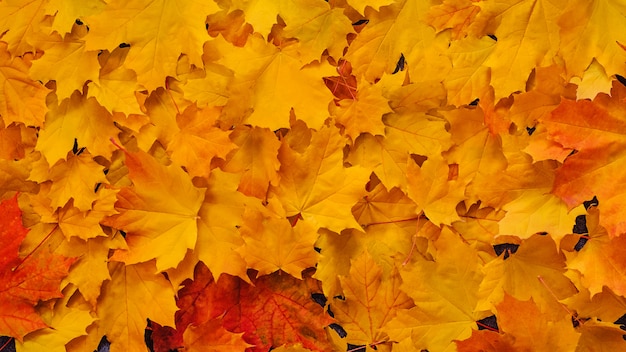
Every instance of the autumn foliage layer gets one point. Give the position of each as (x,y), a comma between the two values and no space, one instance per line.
(350,175)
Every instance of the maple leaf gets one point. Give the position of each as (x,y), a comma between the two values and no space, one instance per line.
(199,141)
(151,28)
(277,311)
(64,324)
(86,224)
(470,75)
(518,274)
(608,268)
(434,187)
(72,64)
(454,14)
(530,38)
(550,333)
(545,87)
(446,297)
(223,202)
(364,113)
(369,301)
(134,293)
(274,310)
(80,120)
(160,225)
(394,30)
(405,134)
(599,157)
(477,151)
(273,244)
(211,89)
(25,281)
(21,24)
(66,13)
(256,159)
(592,29)
(315,184)
(21,98)
(596,333)
(523,191)
(90,270)
(76,179)
(273,80)
(115,87)
(318,27)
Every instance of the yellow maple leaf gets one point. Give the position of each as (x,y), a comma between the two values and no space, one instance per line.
(453,14)
(470,75)
(199,140)
(75,178)
(67,62)
(64,324)
(435,189)
(90,270)
(318,27)
(21,98)
(398,29)
(66,12)
(364,113)
(222,201)
(22,24)
(272,81)
(79,120)
(591,29)
(163,224)
(209,90)
(518,275)
(157,31)
(116,86)
(445,296)
(134,294)
(530,38)
(256,159)
(608,269)
(316,185)
(86,224)
(274,244)
(370,301)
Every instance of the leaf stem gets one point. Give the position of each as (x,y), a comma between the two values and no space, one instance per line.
(414,240)
(6,343)
(574,316)
(487,327)
(391,221)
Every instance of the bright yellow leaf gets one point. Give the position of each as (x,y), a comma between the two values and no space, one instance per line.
(159,224)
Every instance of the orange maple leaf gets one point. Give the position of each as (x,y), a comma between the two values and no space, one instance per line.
(597,130)
(24,281)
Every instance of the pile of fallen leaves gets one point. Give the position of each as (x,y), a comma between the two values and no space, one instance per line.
(350,175)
